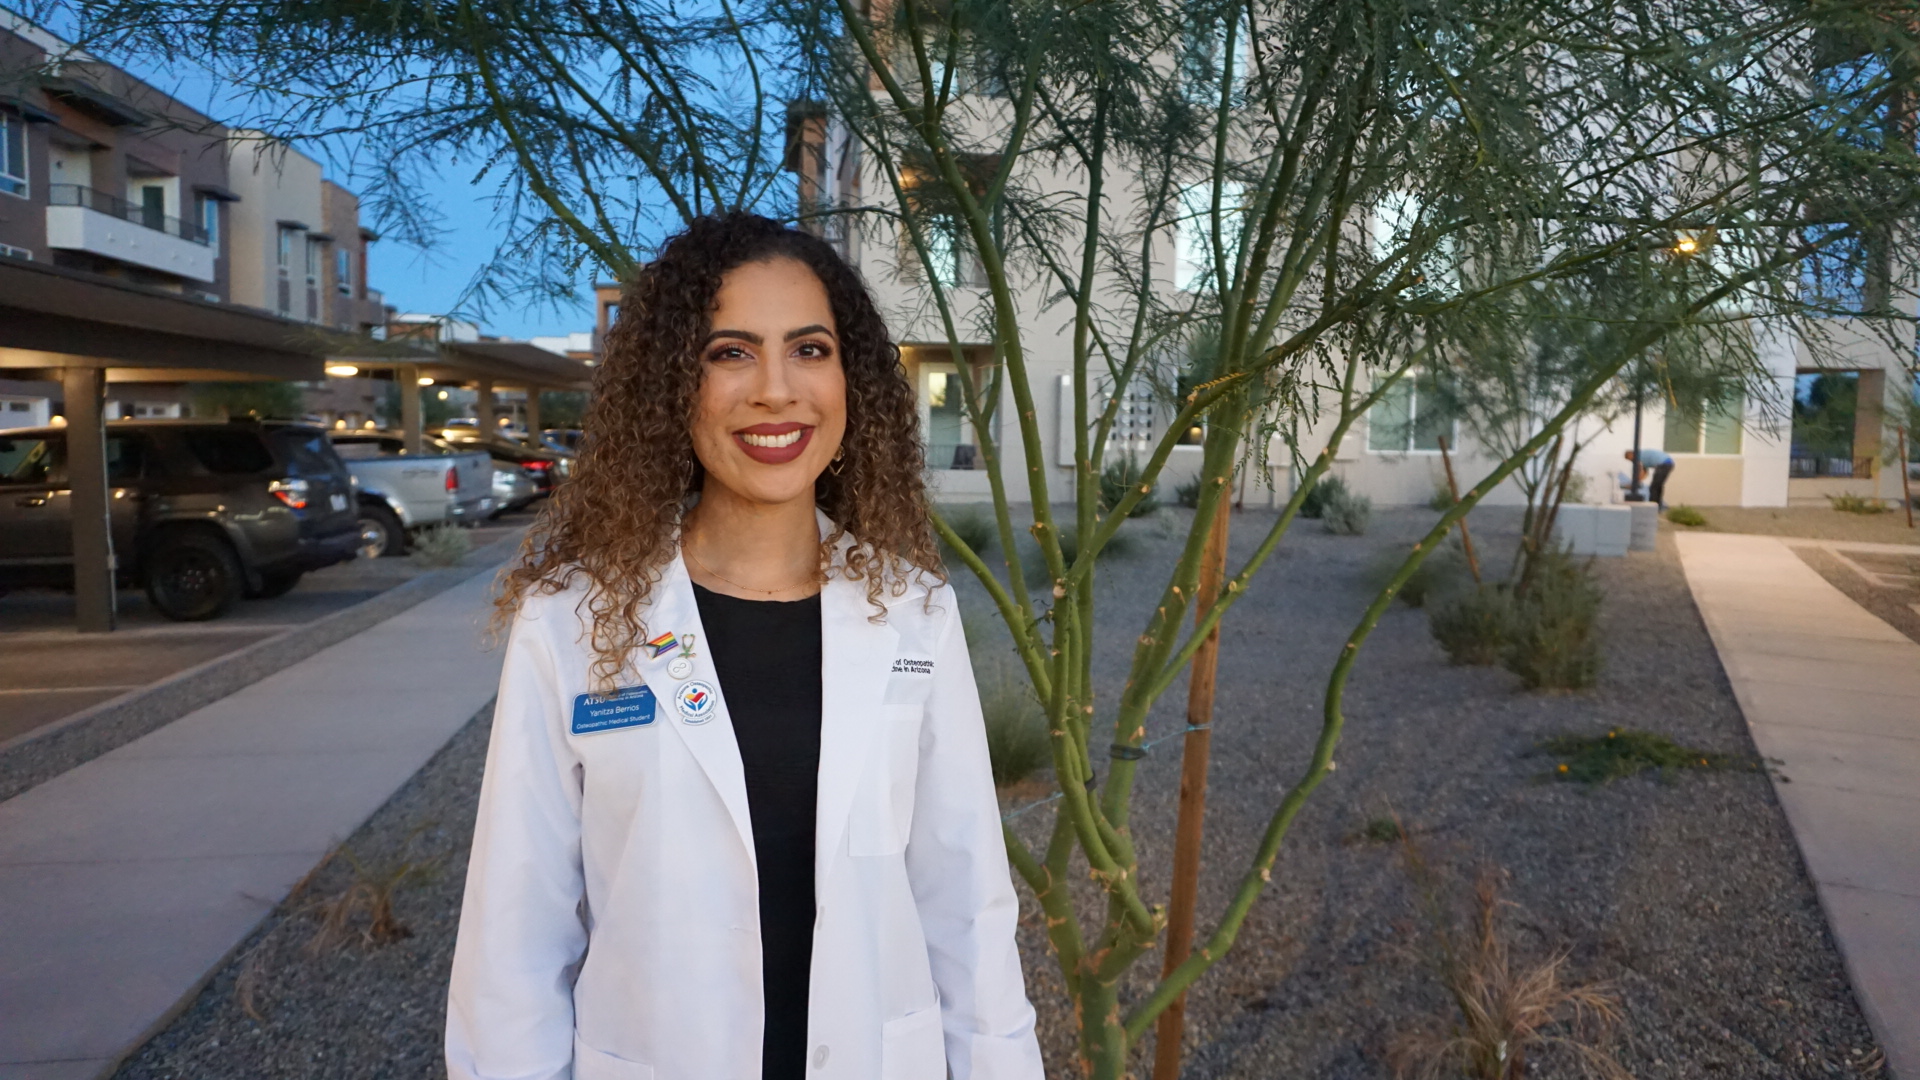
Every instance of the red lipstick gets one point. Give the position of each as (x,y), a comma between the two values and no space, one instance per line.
(774,444)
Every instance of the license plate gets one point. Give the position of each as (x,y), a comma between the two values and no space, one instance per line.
(337,501)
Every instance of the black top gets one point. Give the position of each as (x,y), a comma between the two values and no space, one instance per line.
(767,655)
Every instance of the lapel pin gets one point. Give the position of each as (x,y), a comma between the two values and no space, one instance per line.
(696,702)
(660,645)
(682,666)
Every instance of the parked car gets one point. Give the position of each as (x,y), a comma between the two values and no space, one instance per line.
(546,467)
(402,493)
(561,440)
(201,512)
(513,488)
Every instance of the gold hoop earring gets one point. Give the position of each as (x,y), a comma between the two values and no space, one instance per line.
(839,460)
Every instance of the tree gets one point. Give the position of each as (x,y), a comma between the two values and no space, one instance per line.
(266,400)
(1331,196)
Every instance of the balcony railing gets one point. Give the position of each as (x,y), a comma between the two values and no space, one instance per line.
(114,206)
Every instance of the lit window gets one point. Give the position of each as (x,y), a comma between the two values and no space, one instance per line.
(13,154)
(343,271)
(210,220)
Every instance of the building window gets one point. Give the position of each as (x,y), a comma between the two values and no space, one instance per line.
(209,214)
(313,261)
(283,261)
(1193,264)
(13,154)
(343,271)
(1407,418)
(1715,430)
(8,251)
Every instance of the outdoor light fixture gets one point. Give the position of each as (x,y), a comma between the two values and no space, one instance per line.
(339,424)
(368,425)
(1687,245)
(443,395)
(58,420)
(425,381)
(343,371)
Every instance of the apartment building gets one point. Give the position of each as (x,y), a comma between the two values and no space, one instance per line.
(1753,454)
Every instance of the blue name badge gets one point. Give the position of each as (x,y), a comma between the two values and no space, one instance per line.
(629,706)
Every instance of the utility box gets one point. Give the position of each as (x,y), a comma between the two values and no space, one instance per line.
(1594,530)
(1646,526)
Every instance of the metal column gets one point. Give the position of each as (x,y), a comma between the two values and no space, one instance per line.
(408,376)
(483,407)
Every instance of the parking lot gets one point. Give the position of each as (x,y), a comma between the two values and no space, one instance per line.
(49,671)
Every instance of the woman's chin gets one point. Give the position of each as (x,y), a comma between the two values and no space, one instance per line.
(769,485)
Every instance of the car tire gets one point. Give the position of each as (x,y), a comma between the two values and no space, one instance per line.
(193,576)
(380,532)
(276,583)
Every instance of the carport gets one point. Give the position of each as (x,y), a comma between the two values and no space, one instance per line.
(85,331)
(483,366)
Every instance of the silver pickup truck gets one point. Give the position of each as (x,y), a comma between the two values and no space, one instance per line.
(400,492)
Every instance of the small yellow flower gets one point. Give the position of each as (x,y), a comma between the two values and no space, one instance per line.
(1610,734)
(1563,768)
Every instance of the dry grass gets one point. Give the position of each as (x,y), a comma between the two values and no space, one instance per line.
(362,913)
(1506,1011)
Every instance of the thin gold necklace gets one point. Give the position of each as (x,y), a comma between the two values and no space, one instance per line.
(686,546)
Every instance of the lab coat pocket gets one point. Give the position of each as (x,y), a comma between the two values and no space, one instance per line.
(913,1047)
(883,804)
(591,1064)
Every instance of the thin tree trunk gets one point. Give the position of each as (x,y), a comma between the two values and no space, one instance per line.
(1453,489)
(1194,755)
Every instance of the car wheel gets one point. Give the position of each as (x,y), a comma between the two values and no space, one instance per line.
(380,533)
(193,576)
(278,583)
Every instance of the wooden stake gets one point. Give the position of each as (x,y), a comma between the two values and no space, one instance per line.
(1453,488)
(1906,477)
(1194,753)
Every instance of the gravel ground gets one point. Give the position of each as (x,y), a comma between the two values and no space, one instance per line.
(1688,897)
(1893,594)
(1811,523)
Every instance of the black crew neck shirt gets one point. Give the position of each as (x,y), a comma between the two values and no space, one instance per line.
(767,656)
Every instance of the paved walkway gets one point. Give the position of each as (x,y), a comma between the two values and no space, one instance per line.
(126,882)
(1834,694)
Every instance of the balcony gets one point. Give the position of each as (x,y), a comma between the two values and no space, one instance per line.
(82,219)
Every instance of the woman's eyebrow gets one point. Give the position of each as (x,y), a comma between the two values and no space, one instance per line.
(803,331)
(747,336)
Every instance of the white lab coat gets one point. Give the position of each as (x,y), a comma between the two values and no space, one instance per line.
(610,929)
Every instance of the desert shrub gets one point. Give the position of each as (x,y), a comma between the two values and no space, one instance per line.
(1315,503)
(1441,499)
(1442,572)
(1118,479)
(1555,640)
(362,912)
(1017,740)
(1345,513)
(1686,515)
(1187,493)
(974,526)
(441,545)
(1597,759)
(1473,625)
(1850,503)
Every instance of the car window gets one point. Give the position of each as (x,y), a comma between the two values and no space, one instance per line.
(358,450)
(308,453)
(25,461)
(228,452)
(126,459)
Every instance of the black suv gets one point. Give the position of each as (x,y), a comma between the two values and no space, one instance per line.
(202,512)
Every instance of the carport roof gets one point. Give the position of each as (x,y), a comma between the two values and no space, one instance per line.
(53,318)
(509,363)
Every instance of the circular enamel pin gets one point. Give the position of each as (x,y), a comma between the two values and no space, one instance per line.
(696,702)
(680,667)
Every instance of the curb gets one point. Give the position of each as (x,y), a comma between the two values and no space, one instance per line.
(34,757)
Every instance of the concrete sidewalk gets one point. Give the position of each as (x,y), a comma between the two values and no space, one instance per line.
(127,880)
(1834,694)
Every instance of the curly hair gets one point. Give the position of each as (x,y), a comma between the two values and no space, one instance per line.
(615,522)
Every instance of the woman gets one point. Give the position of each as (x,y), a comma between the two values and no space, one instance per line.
(738,819)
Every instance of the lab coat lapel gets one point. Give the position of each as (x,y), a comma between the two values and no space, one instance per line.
(711,743)
(855,656)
